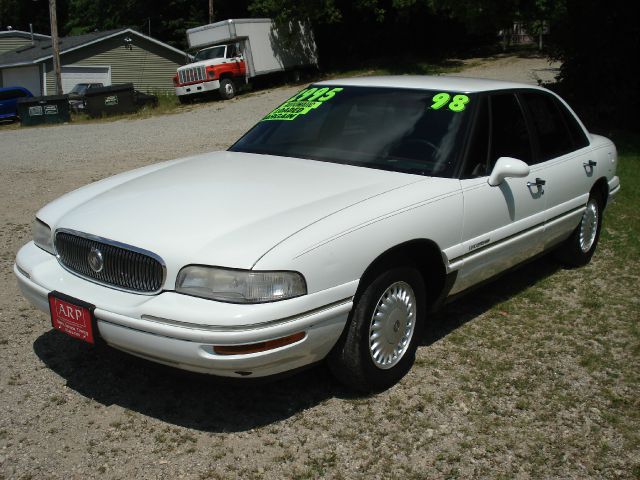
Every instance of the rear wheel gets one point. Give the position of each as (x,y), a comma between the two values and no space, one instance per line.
(580,246)
(378,346)
(227,89)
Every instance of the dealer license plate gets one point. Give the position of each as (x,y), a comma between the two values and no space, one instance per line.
(72,316)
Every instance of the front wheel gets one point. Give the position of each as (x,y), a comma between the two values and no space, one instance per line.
(580,246)
(227,89)
(379,344)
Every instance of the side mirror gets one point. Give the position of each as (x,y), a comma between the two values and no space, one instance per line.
(507,167)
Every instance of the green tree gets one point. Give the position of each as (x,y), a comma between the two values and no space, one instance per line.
(18,14)
(598,43)
(315,11)
(166,20)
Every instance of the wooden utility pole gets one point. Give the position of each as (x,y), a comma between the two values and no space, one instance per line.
(210,11)
(55,45)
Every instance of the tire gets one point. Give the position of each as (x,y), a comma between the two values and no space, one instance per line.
(395,297)
(578,249)
(227,89)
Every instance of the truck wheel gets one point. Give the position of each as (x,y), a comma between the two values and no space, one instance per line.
(184,99)
(379,343)
(227,89)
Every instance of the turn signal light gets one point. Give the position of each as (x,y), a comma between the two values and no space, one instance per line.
(258,347)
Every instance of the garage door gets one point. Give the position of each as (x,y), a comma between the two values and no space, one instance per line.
(27,77)
(73,74)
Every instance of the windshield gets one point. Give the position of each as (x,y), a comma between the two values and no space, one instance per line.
(79,88)
(209,53)
(411,131)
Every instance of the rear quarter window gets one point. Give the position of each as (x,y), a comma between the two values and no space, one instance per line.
(578,136)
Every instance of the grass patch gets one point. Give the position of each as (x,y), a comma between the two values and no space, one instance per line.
(549,372)
(622,221)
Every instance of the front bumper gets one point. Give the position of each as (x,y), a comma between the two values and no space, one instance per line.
(196,88)
(180,330)
(614,189)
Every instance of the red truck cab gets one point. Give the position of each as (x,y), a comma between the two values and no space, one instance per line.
(219,68)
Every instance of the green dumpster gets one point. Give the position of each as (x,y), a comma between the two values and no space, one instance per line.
(110,100)
(39,110)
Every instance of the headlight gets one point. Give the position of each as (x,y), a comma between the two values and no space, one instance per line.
(42,236)
(239,286)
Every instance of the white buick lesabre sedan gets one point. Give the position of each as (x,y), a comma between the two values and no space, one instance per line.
(328,231)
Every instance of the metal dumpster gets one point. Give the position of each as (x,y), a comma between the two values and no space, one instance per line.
(39,110)
(110,100)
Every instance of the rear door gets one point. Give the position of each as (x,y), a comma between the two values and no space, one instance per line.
(562,149)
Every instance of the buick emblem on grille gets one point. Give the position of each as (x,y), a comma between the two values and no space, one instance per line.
(96,262)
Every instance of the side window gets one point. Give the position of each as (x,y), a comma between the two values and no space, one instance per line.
(509,134)
(10,94)
(554,138)
(477,164)
(578,136)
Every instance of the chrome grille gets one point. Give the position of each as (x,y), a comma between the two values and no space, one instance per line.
(192,74)
(123,268)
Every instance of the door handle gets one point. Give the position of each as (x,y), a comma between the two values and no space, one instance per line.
(590,164)
(538,183)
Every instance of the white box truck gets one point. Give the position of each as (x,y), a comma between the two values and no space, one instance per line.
(233,51)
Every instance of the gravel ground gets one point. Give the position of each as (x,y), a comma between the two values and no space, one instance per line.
(533,70)
(71,412)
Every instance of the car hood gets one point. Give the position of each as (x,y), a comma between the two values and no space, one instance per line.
(222,208)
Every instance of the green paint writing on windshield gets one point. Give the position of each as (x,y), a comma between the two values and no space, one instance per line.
(302,103)
(458,102)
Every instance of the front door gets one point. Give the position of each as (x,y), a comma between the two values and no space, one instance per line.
(503,224)
(235,60)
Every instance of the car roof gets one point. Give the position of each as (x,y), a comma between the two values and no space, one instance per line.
(22,89)
(446,83)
